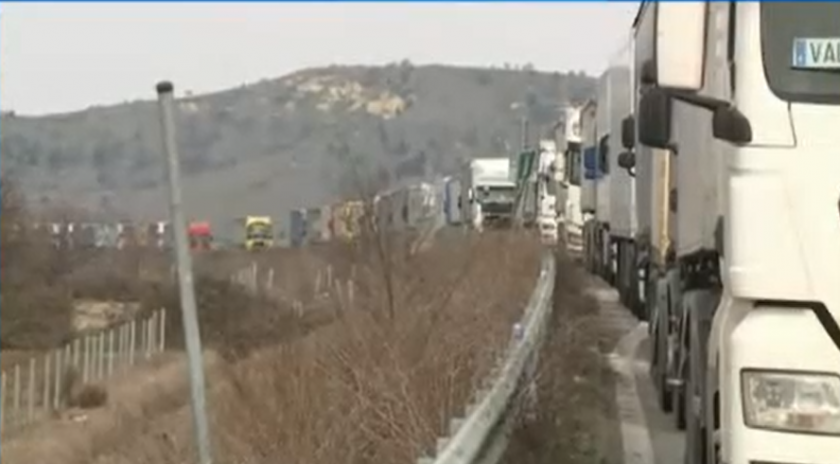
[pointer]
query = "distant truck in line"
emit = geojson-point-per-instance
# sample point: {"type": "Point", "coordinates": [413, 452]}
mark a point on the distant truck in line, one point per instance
{"type": "Point", "coordinates": [487, 193]}
{"type": "Point", "coordinates": [259, 232]}
{"type": "Point", "coordinates": [200, 236]}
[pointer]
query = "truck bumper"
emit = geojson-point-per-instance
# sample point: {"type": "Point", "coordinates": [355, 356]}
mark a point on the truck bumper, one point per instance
{"type": "Point", "coordinates": [574, 237]}
{"type": "Point", "coordinates": [781, 340]}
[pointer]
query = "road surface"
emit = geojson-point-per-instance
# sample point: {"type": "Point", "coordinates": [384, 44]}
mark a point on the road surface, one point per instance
{"type": "Point", "coordinates": [648, 435]}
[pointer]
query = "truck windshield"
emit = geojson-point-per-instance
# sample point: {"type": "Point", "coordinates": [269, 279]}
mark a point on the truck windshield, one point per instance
{"type": "Point", "coordinates": [800, 45]}
{"type": "Point", "coordinates": [497, 195]}
{"type": "Point", "coordinates": [259, 230]}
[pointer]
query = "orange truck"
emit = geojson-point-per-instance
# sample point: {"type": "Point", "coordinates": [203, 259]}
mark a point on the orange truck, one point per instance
{"type": "Point", "coordinates": [200, 235]}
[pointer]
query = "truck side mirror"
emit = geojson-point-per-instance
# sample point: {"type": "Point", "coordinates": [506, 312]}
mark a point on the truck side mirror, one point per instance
{"type": "Point", "coordinates": [655, 118]}
{"type": "Point", "coordinates": [628, 133]}
{"type": "Point", "coordinates": [627, 160]}
{"type": "Point", "coordinates": [680, 45]}
{"type": "Point", "coordinates": [731, 125]}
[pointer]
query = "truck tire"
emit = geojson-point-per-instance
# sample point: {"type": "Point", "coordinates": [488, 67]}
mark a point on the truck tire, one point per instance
{"type": "Point", "coordinates": [659, 362]}
{"type": "Point", "coordinates": [680, 398]}
{"type": "Point", "coordinates": [661, 377]}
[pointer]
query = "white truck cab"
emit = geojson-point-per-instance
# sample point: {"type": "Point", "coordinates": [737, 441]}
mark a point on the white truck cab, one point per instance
{"type": "Point", "coordinates": [746, 96]}
{"type": "Point", "coordinates": [547, 192]}
{"type": "Point", "coordinates": [590, 174]}
{"type": "Point", "coordinates": [569, 178]}
{"type": "Point", "coordinates": [605, 257]}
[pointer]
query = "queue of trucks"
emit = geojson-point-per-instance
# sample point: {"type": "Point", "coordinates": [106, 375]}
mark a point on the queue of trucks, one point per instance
{"type": "Point", "coordinates": [711, 200]}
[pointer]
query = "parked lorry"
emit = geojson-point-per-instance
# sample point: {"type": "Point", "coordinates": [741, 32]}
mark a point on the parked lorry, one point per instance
{"type": "Point", "coordinates": [600, 248]}
{"type": "Point", "coordinates": [200, 235]}
{"type": "Point", "coordinates": [452, 200]}
{"type": "Point", "coordinates": [523, 171]}
{"type": "Point", "coordinates": [547, 192]}
{"type": "Point", "coordinates": [346, 219]}
{"type": "Point", "coordinates": [297, 227]}
{"type": "Point", "coordinates": [568, 179]}
{"type": "Point", "coordinates": [591, 172]}
{"type": "Point", "coordinates": [745, 322]}
{"type": "Point", "coordinates": [259, 232]}
{"type": "Point", "coordinates": [488, 191]}
{"type": "Point", "coordinates": [622, 194]}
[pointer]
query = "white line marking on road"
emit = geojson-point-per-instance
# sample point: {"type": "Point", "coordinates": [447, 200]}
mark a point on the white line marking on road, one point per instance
{"type": "Point", "coordinates": [635, 436]}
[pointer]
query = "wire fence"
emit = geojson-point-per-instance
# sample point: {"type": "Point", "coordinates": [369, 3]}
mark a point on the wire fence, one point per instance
{"type": "Point", "coordinates": [325, 284]}
{"type": "Point", "coordinates": [34, 389]}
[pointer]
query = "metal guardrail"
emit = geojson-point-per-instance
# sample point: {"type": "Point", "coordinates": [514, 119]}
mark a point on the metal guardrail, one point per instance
{"type": "Point", "coordinates": [481, 437]}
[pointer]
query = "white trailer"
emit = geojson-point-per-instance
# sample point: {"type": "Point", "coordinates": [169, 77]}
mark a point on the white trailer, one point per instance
{"type": "Point", "coordinates": [622, 210]}
{"type": "Point", "coordinates": [747, 97]}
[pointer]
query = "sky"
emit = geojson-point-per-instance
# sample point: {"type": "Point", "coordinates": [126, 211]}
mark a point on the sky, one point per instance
{"type": "Point", "coordinates": [63, 57]}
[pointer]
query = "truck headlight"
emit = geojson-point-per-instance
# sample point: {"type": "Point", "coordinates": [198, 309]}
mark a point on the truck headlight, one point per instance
{"type": "Point", "coordinates": [791, 401]}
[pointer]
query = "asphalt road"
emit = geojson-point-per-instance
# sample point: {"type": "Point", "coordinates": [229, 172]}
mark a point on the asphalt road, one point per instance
{"type": "Point", "coordinates": [648, 435]}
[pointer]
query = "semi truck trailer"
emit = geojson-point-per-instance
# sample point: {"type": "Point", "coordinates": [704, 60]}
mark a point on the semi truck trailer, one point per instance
{"type": "Point", "coordinates": [622, 194]}
{"type": "Point", "coordinates": [746, 96]}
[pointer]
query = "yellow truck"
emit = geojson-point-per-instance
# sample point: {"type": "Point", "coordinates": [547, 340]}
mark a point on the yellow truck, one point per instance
{"type": "Point", "coordinates": [345, 221]}
{"type": "Point", "coordinates": [259, 232]}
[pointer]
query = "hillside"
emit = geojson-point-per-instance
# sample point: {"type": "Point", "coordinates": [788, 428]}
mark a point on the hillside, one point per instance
{"type": "Point", "coordinates": [281, 143]}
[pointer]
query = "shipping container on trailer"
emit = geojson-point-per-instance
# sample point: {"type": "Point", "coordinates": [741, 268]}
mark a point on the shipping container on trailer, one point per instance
{"type": "Point", "coordinates": [297, 227]}
{"type": "Point", "coordinates": [452, 201]}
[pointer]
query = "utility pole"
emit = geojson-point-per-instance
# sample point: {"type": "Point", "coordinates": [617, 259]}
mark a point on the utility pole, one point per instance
{"type": "Point", "coordinates": [185, 276]}
{"type": "Point", "coordinates": [524, 133]}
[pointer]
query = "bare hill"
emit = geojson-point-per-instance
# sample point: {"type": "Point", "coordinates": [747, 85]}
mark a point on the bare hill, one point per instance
{"type": "Point", "coordinates": [281, 143]}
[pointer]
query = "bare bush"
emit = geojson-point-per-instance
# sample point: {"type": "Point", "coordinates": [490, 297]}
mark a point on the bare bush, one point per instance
{"type": "Point", "coordinates": [368, 387]}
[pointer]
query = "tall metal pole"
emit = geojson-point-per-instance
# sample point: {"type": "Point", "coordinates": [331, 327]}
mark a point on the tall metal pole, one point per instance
{"type": "Point", "coordinates": [524, 133]}
{"type": "Point", "coordinates": [185, 277]}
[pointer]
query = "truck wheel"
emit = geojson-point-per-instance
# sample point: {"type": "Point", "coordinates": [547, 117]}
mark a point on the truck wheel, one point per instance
{"type": "Point", "coordinates": [664, 394]}
{"type": "Point", "coordinates": [661, 342]}
{"type": "Point", "coordinates": [681, 404]}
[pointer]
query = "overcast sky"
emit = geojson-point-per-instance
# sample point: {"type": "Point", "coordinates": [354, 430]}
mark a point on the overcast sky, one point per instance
{"type": "Point", "coordinates": [64, 57]}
